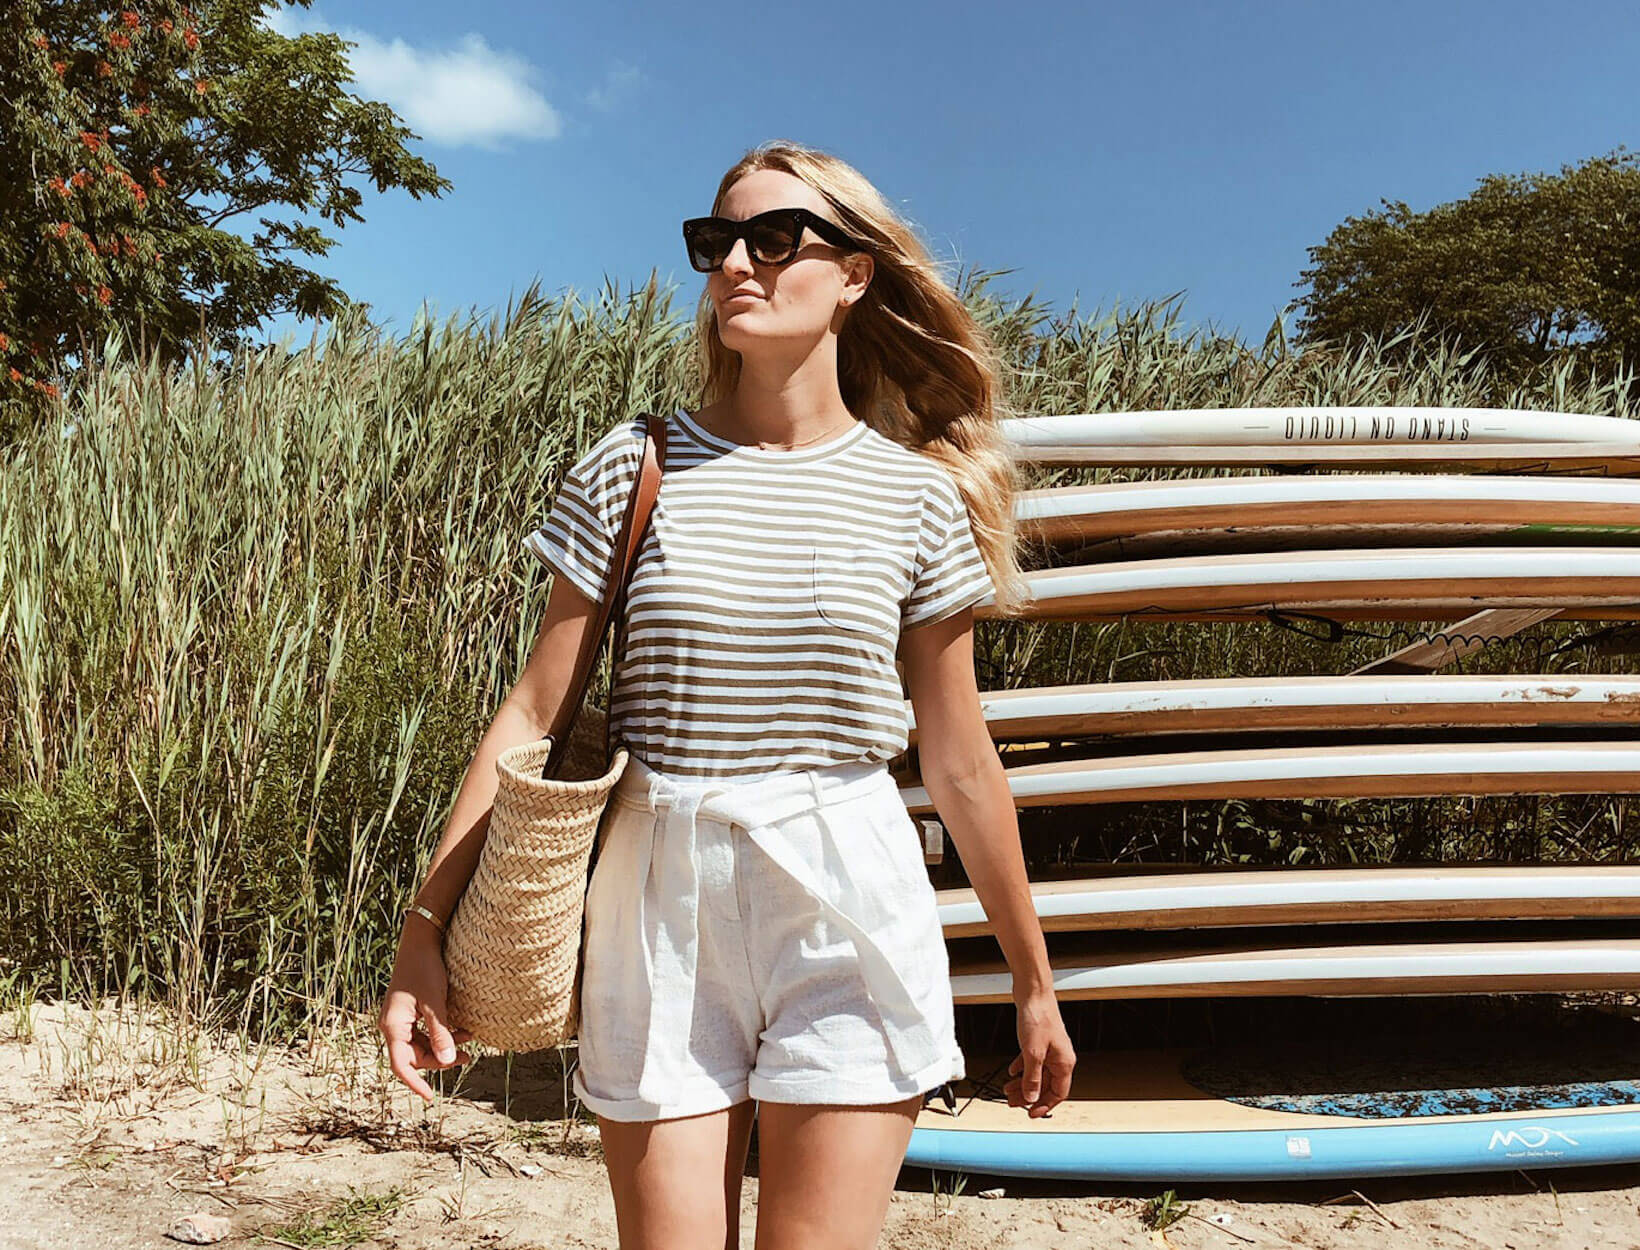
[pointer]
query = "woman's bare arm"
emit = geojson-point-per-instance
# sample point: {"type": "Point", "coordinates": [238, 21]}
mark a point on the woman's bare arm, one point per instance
{"type": "Point", "coordinates": [965, 780]}
{"type": "Point", "coordinates": [522, 717]}
{"type": "Point", "coordinates": [419, 986]}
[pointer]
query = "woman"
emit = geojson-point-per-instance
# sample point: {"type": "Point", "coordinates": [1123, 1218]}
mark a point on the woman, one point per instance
{"type": "Point", "coordinates": [762, 936]}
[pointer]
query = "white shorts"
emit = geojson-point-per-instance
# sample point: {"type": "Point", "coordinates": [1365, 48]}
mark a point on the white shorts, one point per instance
{"type": "Point", "coordinates": [775, 939]}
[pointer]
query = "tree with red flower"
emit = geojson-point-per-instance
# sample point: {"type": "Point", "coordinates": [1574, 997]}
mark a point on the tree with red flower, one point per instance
{"type": "Point", "coordinates": [193, 107]}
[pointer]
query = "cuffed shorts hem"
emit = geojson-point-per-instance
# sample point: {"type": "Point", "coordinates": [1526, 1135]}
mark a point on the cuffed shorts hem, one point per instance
{"type": "Point", "coordinates": [833, 1087]}
{"type": "Point", "coordinates": [710, 1094]}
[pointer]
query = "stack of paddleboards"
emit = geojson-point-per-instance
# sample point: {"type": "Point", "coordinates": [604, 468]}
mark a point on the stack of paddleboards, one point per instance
{"type": "Point", "coordinates": [1552, 528]}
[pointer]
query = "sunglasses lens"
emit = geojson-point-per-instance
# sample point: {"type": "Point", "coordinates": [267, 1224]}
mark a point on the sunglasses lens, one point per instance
{"type": "Point", "coordinates": [708, 246]}
{"type": "Point", "coordinates": [775, 239]}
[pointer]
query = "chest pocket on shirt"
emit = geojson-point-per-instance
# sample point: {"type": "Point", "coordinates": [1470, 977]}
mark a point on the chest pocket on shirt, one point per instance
{"type": "Point", "coordinates": [846, 590]}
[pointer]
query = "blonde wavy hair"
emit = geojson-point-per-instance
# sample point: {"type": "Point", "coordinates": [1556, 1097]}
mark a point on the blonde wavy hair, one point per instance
{"type": "Point", "coordinates": [911, 360]}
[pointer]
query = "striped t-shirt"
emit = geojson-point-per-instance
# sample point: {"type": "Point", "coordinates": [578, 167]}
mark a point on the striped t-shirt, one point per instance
{"type": "Point", "coordinates": [768, 597]}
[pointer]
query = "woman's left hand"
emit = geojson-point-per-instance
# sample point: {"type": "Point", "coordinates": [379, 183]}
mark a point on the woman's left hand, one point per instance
{"type": "Point", "coordinates": [1041, 1072]}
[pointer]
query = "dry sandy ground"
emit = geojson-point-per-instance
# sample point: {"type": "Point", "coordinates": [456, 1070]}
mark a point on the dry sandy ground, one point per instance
{"type": "Point", "coordinates": [114, 1124]}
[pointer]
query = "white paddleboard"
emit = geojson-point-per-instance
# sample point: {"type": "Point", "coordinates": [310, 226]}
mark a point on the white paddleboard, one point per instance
{"type": "Point", "coordinates": [1330, 510]}
{"type": "Point", "coordinates": [1398, 770]}
{"type": "Point", "coordinates": [1243, 897]}
{"type": "Point", "coordinates": [1414, 583]}
{"type": "Point", "coordinates": [1252, 704]}
{"type": "Point", "coordinates": [1089, 968]}
{"type": "Point", "coordinates": [1327, 435]}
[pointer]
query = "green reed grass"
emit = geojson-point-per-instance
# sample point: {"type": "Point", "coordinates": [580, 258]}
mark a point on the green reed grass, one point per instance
{"type": "Point", "coordinates": [255, 614]}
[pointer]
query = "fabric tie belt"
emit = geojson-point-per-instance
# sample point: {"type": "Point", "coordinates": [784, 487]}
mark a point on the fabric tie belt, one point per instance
{"type": "Point", "coordinates": [758, 807]}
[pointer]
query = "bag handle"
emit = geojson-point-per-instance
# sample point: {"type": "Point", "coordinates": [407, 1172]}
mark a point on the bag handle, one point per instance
{"type": "Point", "coordinates": [616, 577]}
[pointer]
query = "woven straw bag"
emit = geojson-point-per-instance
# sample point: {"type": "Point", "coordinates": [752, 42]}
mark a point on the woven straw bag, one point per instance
{"type": "Point", "coordinates": [513, 945]}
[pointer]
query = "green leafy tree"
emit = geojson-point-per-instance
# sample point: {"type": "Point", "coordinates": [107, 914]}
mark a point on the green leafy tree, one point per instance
{"type": "Point", "coordinates": [129, 134]}
{"type": "Point", "coordinates": [1526, 266]}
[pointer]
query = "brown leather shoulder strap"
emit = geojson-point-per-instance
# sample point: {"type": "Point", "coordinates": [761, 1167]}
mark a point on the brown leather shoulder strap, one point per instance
{"type": "Point", "coordinates": [613, 605]}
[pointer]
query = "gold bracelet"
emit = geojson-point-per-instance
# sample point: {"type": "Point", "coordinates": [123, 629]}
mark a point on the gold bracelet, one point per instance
{"type": "Point", "coordinates": [425, 914]}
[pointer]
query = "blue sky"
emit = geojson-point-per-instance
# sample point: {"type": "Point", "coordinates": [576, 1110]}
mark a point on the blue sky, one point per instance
{"type": "Point", "coordinates": [1102, 152]}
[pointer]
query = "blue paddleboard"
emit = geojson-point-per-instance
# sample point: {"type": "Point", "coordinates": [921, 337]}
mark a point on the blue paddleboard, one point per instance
{"type": "Point", "coordinates": [1440, 1103]}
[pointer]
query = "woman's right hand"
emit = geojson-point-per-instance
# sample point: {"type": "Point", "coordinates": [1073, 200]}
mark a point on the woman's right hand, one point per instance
{"type": "Point", "coordinates": [415, 993]}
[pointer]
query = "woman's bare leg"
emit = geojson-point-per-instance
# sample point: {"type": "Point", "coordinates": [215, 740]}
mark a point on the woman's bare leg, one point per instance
{"type": "Point", "coordinates": [826, 1173]}
{"type": "Point", "coordinates": [676, 1183]}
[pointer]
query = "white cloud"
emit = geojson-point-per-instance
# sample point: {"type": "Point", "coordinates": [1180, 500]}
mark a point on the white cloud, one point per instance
{"type": "Point", "coordinates": [466, 94]}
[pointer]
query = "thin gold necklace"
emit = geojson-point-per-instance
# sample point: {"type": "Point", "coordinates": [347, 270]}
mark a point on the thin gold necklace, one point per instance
{"type": "Point", "coordinates": [806, 441]}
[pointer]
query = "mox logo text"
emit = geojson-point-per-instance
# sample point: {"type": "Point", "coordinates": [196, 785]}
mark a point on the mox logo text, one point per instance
{"type": "Point", "coordinates": [1528, 1137]}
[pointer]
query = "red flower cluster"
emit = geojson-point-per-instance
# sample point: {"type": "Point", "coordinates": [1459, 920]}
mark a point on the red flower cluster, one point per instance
{"type": "Point", "coordinates": [159, 178]}
{"type": "Point", "coordinates": [104, 295]}
{"type": "Point", "coordinates": [79, 178]}
{"type": "Point", "coordinates": [104, 69]}
{"type": "Point", "coordinates": [59, 186]}
{"type": "Point", "coordinates": [165, 24]}
{"type": "Point", "coordinates": [61, 67]}
{"type": "Point", "coordinates": [62, 230]}
{"type": "Point", "coordinates": [143, 110]}
{"type": "Point", "coordinates": [191, 39]}
{"type": "Point", "coordinates": [5, 343]}
{"type": "Point", "coordinates": [131, 19]}
{"type": "Point", "coordinates": [40, 41]}
{"type": "Point", "coordinates": [202, 85]}
{"type": "Point", "coordinates": [90, 140]}
{"type": "Point", "coordinates": [16, 374]}
{"type": "Point", "coordinates": [120, 41]}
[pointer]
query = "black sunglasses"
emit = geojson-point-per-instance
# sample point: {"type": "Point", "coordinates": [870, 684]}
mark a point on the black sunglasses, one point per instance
{"type": "Point", "coordinates": [771, 237]}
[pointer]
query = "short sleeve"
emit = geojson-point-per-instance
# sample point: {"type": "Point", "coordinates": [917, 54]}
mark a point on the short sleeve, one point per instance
{"type": "Point", "coordinates": [583, 524]}
{"type": "Point", "coordinates": [951, 573]}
